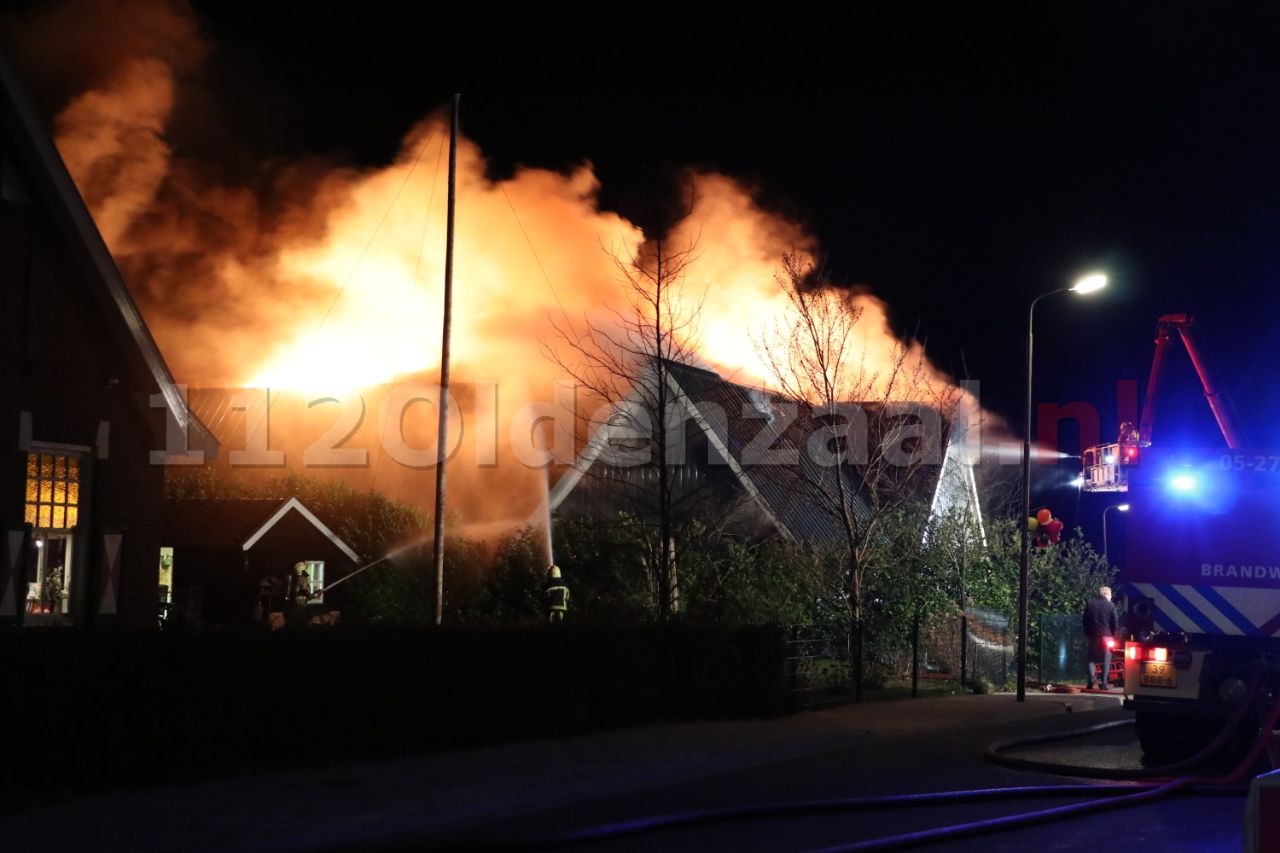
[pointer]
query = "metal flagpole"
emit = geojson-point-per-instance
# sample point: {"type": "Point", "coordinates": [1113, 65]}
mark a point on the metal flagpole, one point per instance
{"type": "Point", "coordinates": [442, 452]}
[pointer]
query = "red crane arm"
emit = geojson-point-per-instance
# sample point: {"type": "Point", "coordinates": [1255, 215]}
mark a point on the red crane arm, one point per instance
{"type": "Point", "coordinates": [1164, 331]}
{"type": "Point", "coordinates": [1183, 325]}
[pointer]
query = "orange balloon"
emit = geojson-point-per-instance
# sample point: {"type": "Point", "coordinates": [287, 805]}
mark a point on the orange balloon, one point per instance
{"type": "Point", "coordinates": [1043, 516]}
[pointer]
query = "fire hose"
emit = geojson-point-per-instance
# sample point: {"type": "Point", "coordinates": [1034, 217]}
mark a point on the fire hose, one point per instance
{"type": "Point", "coordinates": [1102, 798]}
{"type": "Point", "coordinates": [996, 751]}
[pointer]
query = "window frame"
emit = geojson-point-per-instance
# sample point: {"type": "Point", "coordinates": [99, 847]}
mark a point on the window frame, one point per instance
{"type": "Point", "coordinates": [315, 576]}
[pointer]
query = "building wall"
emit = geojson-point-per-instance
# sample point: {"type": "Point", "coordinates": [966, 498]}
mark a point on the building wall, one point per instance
{"type": "Point", "coordinates": [69, 362]}
{"type": "Point", "coordinates": [217, 586]}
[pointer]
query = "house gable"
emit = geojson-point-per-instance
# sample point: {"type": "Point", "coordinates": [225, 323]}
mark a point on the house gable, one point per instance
{"type": "Point", "coordinates": [35, 178]}
{"type": "Point", "coordinates": [224, 552]}
{"type": "Point", "coordinates": [762, 441]}
{"type": "Point", "coordinates": [88, 409]}
{"type": "Point", "coordinates": [294, 505]}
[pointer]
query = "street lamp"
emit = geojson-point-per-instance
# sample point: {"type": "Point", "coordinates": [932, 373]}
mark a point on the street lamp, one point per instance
{"type": "Point", "coordinates": [1087, 284]}
{"type": "Point", "coordinates": [1122, 508]}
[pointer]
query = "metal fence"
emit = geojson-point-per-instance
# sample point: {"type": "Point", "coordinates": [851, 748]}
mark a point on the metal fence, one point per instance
{"type": "Point", "coordinates": [976, 648]}
{"type": "Point", "coordinates": [991, 654]}
{"type": "Point", "coordinates": [1057, 653]}
{"type": "Point", "coordinates": [1061, 651]}
{"type": "Point", "coordinates": [817, 661]}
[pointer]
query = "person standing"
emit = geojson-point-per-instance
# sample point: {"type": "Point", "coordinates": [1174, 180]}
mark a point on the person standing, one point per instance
{"type": "Point", "coordinates": [555, 595]}
{"type": "Point", "coordinates": [301, 585]}
{"type": "Point", "coordinates": [1101, 626]}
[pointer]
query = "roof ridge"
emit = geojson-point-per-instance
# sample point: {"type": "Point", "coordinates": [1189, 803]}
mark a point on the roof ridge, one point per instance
{"type": "Point", "coordinates": [31, 140]}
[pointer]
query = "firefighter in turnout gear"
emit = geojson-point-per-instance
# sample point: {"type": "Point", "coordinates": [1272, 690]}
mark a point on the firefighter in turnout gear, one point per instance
{"type": "Point", "coordinates": [555, 595]}
{"type": "Point", "coordinates": [301, 585]}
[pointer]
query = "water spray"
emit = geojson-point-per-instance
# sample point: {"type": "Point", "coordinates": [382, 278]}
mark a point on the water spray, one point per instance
{"type": "Point", "coordinates": [384, 558]}
{"type": "Point", "coordinates": [544, 506]}
{"type": "Point", "coordinates": [1011, 451]}
{"type": "Point", "coordinates": [546, 512]}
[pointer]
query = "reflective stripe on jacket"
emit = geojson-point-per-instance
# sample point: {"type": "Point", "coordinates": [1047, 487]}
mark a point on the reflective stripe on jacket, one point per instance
{"type": "Point", "coordinates": [557, 597]}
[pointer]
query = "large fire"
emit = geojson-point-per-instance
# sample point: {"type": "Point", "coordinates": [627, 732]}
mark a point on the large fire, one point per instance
{"type": "Point", "coordinates": [330, 279]}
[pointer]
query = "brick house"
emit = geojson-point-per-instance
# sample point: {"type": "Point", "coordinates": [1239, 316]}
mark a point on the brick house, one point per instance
{"type": "Point", "coordinates": [89, 412]}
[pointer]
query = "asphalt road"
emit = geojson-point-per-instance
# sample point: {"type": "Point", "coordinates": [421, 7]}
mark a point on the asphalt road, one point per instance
{"type": "Point", "coordinates": [799, 783]}
{"type": "Point", "coordinates": [788, 805]}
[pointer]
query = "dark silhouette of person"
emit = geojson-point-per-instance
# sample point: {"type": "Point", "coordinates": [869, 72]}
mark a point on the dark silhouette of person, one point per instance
{"type": "Point", "coordinates": [1101, 626]}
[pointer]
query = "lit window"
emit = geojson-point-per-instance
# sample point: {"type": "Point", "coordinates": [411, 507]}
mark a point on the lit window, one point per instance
{"type": "Point", "coordinates": [315, 574]}
{"type": "Point", "coordinates": [53, 491]}
{"type": "Point", "coordinates": [49, 594]}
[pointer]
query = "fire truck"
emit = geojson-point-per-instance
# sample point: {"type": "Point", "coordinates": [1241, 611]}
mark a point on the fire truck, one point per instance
{"type": "Point", "coordinates": [1200, 578]}
{"type": "Point", "coordinates": [1106, 466]}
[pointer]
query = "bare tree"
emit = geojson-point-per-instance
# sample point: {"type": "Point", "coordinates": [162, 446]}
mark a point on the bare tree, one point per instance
{"type": "Point", "coordinates": [882, 423]}
{"type": "Point", "coordinates": [628, 403]}
{"type": "Point", "coordinates": [956, 542]}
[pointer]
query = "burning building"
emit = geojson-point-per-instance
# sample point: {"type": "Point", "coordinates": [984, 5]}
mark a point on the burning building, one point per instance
{"type": "Point", "coordinates": [313, 288]}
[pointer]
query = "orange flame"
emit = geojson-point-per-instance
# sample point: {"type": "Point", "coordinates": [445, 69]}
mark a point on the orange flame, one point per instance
{"type": "Point", "coordinates": [332, 278]}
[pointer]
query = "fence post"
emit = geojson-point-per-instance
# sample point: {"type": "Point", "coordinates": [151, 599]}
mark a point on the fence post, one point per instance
{"type": "Point", "coordinates": [793, 664]}
{"type": "Point", "coordinates": [915, 653]}
{"type": "Point", "coordinates": [1040, 648]}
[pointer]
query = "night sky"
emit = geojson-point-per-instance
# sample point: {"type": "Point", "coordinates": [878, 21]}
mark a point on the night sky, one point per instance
{"type": "Point", "coordinates": [958, 163]}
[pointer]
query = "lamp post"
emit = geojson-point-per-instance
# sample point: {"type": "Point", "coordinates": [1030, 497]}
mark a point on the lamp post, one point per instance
{"type": "Point", "coordinates": [1122, 508]}
{"type": "Point", "coordinates": [1087, 284]}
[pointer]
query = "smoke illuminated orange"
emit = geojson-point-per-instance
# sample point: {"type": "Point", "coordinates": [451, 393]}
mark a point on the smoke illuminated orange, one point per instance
{"type": "Point", "coordinates": [341, 285]}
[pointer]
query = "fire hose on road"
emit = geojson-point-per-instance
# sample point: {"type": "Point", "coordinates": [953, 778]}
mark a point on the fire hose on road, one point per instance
{"type": "Point", "coordinates": [1162, 782]}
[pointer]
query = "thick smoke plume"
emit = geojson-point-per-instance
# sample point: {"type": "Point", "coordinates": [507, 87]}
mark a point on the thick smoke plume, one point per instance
{"type": "Point", "coordinates": [325, 281]}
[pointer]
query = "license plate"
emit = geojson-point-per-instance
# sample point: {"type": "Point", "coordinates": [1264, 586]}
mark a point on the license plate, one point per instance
{"type": "Point", "coordinates": [1157, 674]}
